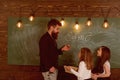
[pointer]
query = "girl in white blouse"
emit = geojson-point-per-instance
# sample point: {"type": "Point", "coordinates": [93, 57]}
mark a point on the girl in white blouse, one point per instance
{"type": "Point", "coordinates": [85, 65]}
{"type": "Point", "coordinates": [102, 69]}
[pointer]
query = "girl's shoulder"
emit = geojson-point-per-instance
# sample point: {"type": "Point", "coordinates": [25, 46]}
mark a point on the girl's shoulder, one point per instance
{"type": "Point", "coordinates": [82, 62]}
{"type": "Point", "coordinates": [107, 63]}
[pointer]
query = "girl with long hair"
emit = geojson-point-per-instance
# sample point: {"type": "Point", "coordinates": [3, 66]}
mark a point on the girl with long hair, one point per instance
{"type": "Point", "coordinates": [85, 65]}
{"type": "Point", "coordinates": [102, 68]}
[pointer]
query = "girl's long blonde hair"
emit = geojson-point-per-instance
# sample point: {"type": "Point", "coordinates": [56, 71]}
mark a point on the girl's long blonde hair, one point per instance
{"type": "Point", "coordinates": [86, 56]}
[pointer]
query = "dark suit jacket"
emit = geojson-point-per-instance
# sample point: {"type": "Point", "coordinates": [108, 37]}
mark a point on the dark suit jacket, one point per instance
{"type": "Point", "coordinates": [48, 52]}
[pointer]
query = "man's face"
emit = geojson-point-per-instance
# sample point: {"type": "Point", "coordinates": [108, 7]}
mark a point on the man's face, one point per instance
{"type": "Point", "coordinates": [55, 31]}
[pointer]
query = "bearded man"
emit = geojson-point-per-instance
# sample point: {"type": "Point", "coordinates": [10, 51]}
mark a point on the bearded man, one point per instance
{"type": "Point", "coordinates": [49, 52]}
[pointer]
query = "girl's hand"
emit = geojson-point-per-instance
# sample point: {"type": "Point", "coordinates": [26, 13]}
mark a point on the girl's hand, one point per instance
{"type": "Point", "coordinates": [94, 76]}
{"type": "Point", "coordinates": [67, 68]}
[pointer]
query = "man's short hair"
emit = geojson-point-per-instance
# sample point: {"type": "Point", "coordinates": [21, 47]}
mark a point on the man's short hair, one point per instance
{"type": "Point", "coordinates": [53, 22]}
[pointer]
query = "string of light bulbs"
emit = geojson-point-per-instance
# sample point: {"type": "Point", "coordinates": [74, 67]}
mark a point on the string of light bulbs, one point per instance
{"type": "Point", "coordinates": [88, 22]}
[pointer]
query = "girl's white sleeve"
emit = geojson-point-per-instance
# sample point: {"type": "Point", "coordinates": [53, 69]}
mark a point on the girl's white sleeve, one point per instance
{"type": "Point", "coordinates": [80, 70]}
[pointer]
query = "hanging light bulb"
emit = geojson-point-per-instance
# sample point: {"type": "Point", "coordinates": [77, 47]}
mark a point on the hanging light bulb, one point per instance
{"type": "Point", "coordinates": [19, 23]}
{"type": "Point", "coordinates": [31, 18]}
{"type": "Point", "coordinates": [89, 22]}
{"type": "Point", "coordinates": [62, 22]}
{"type": "Point", "coordinates": [105, 24]}
{"type": "Point", "coordinates": [76, 25]}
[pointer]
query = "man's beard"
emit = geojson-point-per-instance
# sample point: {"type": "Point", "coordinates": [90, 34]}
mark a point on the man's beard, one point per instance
{"type": "Point", "coordinates": [55, 35]}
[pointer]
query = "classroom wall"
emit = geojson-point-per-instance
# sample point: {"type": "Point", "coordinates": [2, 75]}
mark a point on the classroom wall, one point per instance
{"type": "Point", "coordinates": [23, 43]}
{"type": "Point", "coordinates": [10, 8]}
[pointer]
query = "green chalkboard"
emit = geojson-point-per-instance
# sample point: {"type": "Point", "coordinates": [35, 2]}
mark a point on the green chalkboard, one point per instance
{"type": "Point", "coordinates": [23, 48]}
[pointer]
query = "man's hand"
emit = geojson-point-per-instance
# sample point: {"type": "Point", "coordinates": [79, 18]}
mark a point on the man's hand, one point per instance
{"type": "Point", "coordinates": [66, 47]}
{"type": "Point", "coordinates": [52, 69]}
